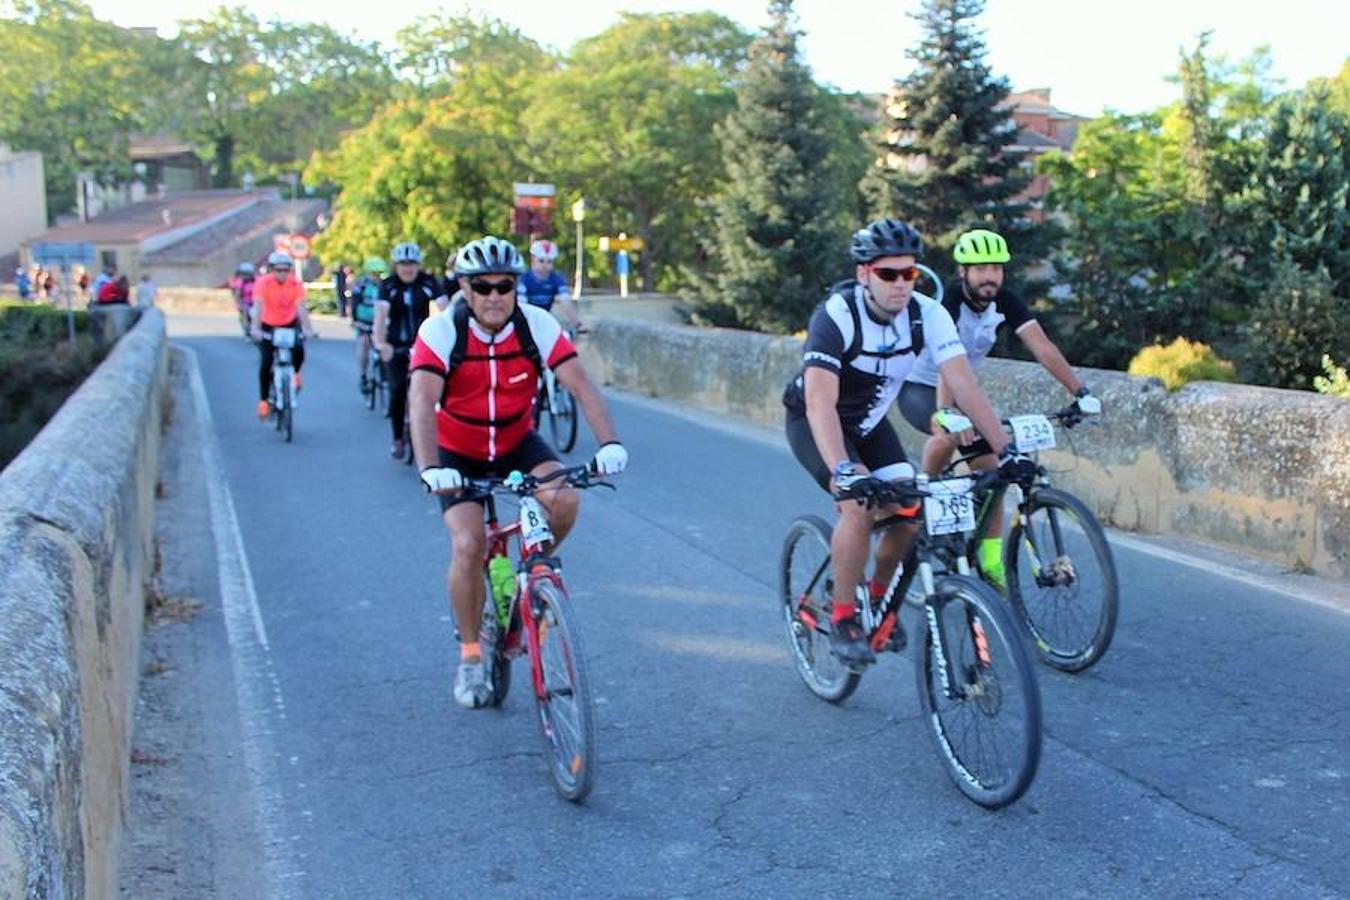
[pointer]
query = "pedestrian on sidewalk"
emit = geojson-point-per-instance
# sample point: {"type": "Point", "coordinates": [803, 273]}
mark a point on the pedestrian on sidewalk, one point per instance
{"type": "Point", "coordinates": [146, 291]}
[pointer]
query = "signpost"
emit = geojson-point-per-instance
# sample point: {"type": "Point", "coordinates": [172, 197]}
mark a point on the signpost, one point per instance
{"type": "Point", "coordinates": [533, 213]}
{"type": "Point", "coordinates": [65, 255]}
{"type": "Point", "coordinates": [579, 216]}
{"type": "Point", "coordinates": [620, 247]}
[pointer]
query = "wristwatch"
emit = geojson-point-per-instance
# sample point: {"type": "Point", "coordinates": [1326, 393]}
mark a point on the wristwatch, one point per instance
{"type": "Point", "coordinates": [845, 468]}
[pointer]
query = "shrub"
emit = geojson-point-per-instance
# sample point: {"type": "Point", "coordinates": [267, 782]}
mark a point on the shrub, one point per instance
{"type": "Point", "coordinates": [1295, 322]}
{"type": "Point", "coordinates": [1180, 362]}
{"type": "Point", "coordinates": [1337, 380]}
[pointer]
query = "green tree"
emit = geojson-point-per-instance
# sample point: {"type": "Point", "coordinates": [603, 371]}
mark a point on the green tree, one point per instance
{"type": "Point", "coordinates": [776, 241]}
{"type": "Point", "coordinates": [73, 88]}
{"type": "Point", "coordinates": [944, 159]}
{"type": "Point", "coordinates": [437, 170]}
{"type": "Point", "coordinates": [627, 121]}
{"type": "Point", "coordinates": [266, 96]}
{"type": "Point", "coordinates": [1299, 189]}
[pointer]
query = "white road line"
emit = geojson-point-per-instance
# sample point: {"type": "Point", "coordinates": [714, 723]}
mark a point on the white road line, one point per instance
{"type": "Point", "coordinates": [249, 651]}
{"type": "Point", "coordinates": [1304, 588]}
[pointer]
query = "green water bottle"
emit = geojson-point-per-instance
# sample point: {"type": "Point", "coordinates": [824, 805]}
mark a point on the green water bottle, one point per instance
{"type": "Point", "coordinates": [502, 575]}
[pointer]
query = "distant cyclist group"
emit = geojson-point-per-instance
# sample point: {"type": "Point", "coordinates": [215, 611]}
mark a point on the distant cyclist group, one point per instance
{"type": "Point", "coordinates": [464, 359]}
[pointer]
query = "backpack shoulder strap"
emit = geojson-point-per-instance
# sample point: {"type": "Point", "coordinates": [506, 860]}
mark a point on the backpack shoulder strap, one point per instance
{"type": "Point", "coordinates": [526, 338]}
{"type": "Point", "coordinates": [915, 326]}
{"type": "Point", "coordinates": [460, 312]}
{"type": "Point", "coordinates": [849, 291]}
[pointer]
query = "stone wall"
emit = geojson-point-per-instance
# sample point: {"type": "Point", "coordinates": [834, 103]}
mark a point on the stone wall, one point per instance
{"type": "Point", "coordinates": [76, 553]}
{"type": "Point", "coordinates": [1257, 469]}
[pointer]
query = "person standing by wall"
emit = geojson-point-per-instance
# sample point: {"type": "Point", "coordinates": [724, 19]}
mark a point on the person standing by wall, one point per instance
{"type": "Point", "coordinates": [146, 291]}
{"type": "Point", "coordinates": [340, 289]}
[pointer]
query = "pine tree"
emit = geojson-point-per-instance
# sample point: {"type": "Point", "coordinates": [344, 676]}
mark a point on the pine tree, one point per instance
{"type": "Point", "coordinates": [777, 240]}
{"type": "Point", "coordinates": [944, 162]}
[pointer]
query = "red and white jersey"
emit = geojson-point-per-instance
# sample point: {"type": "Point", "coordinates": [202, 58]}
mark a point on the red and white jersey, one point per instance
{"type": "Point", "coordinates": [487, 406]}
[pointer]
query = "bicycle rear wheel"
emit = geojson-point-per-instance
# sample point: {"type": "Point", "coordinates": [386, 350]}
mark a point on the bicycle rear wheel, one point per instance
{"type": "Point", "coordinates": [1062, 580]}
{"type": "Point", "coordinates": [368, 386]}
{"type": "Point", "coordinates": [492, 638]}
{"type": "Point", "coordinates": [562, 422]}
{"type": "Point", "coordinates": [979, 693]}
{"type": "Point", "coordinates": [805, 595]}
{"type": "Point", "coordinates": [566, 707]}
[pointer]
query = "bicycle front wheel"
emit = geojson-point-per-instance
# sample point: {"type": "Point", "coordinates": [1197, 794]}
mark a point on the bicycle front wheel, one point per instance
{"type": "Point", "coordinates": [563, 693]}
{"type": "Point", "coordinates": [287, 410]}
{"type": "Point", "coordinates": [1062, 580]}
{"type": "Point", "coordinates": [805, 597]}
{"type": "Point", "coordinates": [492, 638]}
{"type": "Point", "coordinates": [562, 421]}
{"type": "Point", "coordinates": [979, 693]}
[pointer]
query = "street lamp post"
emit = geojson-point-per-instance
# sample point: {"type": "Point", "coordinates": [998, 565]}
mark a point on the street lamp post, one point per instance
{"type": "Point", "coordinates": [579, 214]}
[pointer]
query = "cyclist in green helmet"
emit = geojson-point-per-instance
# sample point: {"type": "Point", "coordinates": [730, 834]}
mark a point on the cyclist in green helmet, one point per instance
{"type": "Point", "coordinates": [365, 293]}
{"type": "Point", "coordinates": [981, 306]}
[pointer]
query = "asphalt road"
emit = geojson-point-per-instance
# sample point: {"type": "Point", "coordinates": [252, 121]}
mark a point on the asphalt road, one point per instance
{"type": "Point", "coordinates": [1207, 755]}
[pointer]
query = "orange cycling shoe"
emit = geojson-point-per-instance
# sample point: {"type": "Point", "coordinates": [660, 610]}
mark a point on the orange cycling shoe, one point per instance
{"type": "Point", "coordinates": [263, 409]}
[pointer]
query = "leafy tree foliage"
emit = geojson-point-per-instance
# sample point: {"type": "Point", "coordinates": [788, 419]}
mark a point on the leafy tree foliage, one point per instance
{"type": "Point", "coordinates": [778, 237]}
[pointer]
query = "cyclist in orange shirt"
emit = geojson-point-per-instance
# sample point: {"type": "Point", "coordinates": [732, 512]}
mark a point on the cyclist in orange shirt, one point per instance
{"type": "Point", "coordinates": [278, 302]}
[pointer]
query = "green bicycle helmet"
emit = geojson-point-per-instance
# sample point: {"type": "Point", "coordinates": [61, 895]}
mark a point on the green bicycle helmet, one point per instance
{"type": "Point", "coordinates": [375, 265]}
{"type": "Point", "coordinates": [981, 246]}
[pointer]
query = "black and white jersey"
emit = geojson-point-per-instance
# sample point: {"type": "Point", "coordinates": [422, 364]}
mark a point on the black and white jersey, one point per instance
{"type": "Point", "coordinates": [873, 362]}
{"type": "Point", "coordinates": [978, 330]}
{"type": "Point", "coordinates": [409, 305]}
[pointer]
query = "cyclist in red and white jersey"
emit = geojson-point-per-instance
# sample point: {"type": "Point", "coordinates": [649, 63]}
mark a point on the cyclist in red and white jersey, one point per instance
{"type": "Point", "coordinates": [480, 362]}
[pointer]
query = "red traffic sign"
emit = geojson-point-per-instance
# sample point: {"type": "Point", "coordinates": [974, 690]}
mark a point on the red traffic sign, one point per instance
{"type": "Point", "coordinates": [298, 246]}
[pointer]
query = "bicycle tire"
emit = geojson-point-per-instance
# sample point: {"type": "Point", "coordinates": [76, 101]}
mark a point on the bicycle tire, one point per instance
{"type": "Point", "coordinates": [563, 423]}
{"type": "Point", "coordinates": [288, 411]}
{"type": "Point", "coordinates": [822, 674]}
{"type": "Point", "coordinates": [959, 602]}
{"type": "Point", "coordinates": [1040, 610]}
{"type": "Point", "coordinates": [493, 640]}
{"type": "Point", "coordinates": [368, 391]}
{"type": "Point", "coordinates": [571, 762]}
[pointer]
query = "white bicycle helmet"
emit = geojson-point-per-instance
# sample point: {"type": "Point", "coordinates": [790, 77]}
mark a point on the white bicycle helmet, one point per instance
{"type": "Point", "coordinates": [277, 258]}
{"type": "Point", "coordinates": [489, 256]}
{"type": "Point", "coordinates": [545, 250]}
{"type": "Point", "coordinates": [407, 252]}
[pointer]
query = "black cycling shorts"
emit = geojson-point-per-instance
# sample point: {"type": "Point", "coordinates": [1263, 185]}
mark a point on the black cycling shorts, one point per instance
{"type": "Point", "coordinates": [880, 451]}
{"type": "Point", "coordinates": [531, 452]}
{"type": "Point", "coordinates": [918, 402]}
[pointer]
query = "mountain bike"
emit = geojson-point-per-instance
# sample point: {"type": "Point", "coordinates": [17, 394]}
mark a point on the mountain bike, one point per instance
{"type": "Point", "coordinates": [557, 403]}
{"type": "Point", "coordinates": [538, 621]}
{"type": "Point", "coordinates": [1062, 581]}
{"type": "Point", "coordinates": [977, 686]}
{"type": "Point", "coordinates": [374, 381]}
{"type": "Point", "coordinates": [280, 396]}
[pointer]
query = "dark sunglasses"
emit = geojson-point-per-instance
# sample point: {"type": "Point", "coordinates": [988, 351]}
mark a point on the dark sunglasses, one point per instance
{"type": "Point", "coordinates": [909, 273]}
{"type": "Point", "coordinates": [484, 288]}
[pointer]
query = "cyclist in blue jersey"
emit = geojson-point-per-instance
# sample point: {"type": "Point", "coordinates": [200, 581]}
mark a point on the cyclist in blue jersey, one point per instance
{"type": "Point", "coordinates": [541, 285]}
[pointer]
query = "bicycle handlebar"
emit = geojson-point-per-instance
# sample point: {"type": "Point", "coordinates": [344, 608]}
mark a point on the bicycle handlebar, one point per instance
{"type": "Point", "coordinates": [582, 476]}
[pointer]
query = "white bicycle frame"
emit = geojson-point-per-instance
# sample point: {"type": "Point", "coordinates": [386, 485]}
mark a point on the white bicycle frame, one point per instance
{"type": "Point", "coordinates": [283, 340]}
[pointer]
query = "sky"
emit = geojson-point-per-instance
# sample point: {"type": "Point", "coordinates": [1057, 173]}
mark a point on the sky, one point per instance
{"type": "Point", "coordinates": [1093, 54]}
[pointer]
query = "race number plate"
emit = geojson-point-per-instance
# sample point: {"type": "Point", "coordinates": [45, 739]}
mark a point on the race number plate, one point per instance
{"type": "Point", "coordinates": [534, 528]}
{"type": "Point", "coordinates": [283, 338]}
{"type": "Point", "coordinates": [950, 508]}
{"type": "Point", "coordinates": [1032, 433]}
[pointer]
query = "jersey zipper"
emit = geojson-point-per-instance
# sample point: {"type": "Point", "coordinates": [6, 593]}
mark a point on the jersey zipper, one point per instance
{"type": "Point", "coordinates": [492, 398]}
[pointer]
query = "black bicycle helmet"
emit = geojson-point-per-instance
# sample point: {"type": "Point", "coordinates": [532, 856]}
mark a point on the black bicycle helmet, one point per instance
{"type": "Point", "coordinates": [489, 256]}
{"type": "Point", "coordinates": [885, 237]}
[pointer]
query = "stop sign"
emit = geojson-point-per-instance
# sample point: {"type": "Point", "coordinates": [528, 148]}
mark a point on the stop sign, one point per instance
{"type": "Point", "coordinates": [299, 246]}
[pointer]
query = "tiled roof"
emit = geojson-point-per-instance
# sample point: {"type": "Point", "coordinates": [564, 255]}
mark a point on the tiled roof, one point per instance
{"type": "Point", "coordinates": [261, 218]}
{"type": "Point", "coordinates": [138, 221]}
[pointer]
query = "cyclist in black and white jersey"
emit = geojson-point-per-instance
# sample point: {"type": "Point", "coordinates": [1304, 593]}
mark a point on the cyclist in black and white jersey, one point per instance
{"type": "Point", "coordinates": [982, 307]}
{"type": "Point", "coordinates": [407, 299]}
{"type": "Point", "coordinates": [862, 342]}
